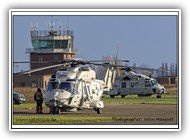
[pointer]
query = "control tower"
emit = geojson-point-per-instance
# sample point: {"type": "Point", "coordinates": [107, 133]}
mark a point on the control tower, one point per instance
{"type": "Point", "coordinates": [50, 46]}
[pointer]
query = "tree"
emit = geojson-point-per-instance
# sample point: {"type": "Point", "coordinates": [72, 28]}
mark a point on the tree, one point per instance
{"type": "Point", "coordinates": [176, 70]}
{"type": "Point", "coordinates": [163, 68]}
{"type": "Point", "coordinates": [171, 70]}
{"type": "Point", "coordinates": [134, 64]}
{"type": "Point", "coordinates": [166, 68]}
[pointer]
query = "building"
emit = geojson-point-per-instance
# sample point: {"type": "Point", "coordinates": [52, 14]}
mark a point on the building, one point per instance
{"type": "Point", "coordinates": [50, 47]}
{"type": "Point", "coordinates": [167, 80]}
{"type": "Point", "coordinates": [33, 81]}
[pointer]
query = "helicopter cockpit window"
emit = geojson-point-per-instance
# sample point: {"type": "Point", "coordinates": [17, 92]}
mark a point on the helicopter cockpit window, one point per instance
{"type": "Point", "coordinates": [52, 85]}
{"type": "Point", "coordinates": [84, 69]}
{"type": "Point", "coordinates": [65, 86]}
{"type": "Point", "coordinates": [147, 83]}
{"type": "Point", "coordinates": [154, 82]}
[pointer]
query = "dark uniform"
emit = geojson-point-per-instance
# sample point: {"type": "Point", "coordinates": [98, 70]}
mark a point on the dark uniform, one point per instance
{"type": "Point", "coordinates": [38, 97]}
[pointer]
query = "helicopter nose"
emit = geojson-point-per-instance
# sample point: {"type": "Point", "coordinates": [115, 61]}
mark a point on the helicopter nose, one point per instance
{"type": "Point", "coordinates": [56, 98]}
{"type": "Point", "coordinates": [50, 94]}
{"type": "Point", "coordinates": [57, 94]}
{"type": "Point", "coordinates": [63, 94]}
{"type": "Point", "coordinates": [158, 90]}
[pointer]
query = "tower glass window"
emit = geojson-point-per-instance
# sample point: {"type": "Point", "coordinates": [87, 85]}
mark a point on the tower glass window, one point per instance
{"type": "Point", "coordinates": [57, 44]}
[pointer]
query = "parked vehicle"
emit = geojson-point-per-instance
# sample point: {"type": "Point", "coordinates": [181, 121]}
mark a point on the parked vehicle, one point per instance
{"type": "Point", "coordinates": [18, 98]}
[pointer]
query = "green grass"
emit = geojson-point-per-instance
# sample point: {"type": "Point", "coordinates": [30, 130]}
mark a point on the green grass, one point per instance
{"type": "Point", "coordinates": [169, 99]}
{"type": "Point", "coordinates": [27, 105]}
{"type": "Point", "coordinates": [40, 120]}
{"type": "Point", "coordinates": [134, 99]}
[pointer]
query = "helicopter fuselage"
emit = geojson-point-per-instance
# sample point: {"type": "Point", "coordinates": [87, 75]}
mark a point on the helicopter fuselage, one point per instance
{"type": "Point", "coordinates": [74, 90]}
{"type": "Point", "coordinates": [137, 84]}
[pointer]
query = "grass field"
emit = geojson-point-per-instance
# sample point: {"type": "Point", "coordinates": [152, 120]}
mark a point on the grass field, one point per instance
{"type": "Point", "coordinates": [48, 120]}
{"type": "Point", "coordinates": [169, 98]}
{"type": "Point", "coordinates": [130, 99]}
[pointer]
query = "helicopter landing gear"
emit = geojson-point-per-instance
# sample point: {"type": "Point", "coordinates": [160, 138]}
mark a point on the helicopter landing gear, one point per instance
{"type": "Point", "coordinates": [55, 110]}
{"type": "Point", "coordinates": [112, 96]}
{"type": "Point", "coordinates": [122, 96]}
{"type": "Point", "coordinates": [98, 110]}
{"type": "Point", "coordinates": [158, 96]}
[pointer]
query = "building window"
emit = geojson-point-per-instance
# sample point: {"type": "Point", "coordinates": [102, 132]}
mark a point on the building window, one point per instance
{"type": "Point", "coordinates": [34, 84]}
{"type": "Point", "coordinates": [64, 56]}
{"type": "Point", "coordinates": [55, 58]}
{"type": "Point", "coordinates": [40, 58]}
{"type": "Point", "coordinates": [172, 81]}
{"type": "Point", "coordinates": [23, 84]}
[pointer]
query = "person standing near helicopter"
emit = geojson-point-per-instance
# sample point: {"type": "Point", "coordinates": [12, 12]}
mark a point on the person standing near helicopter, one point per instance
{"type": "Point", "coordinates": [38, 97]}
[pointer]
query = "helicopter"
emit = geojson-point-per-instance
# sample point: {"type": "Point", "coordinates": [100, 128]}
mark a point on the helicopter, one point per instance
{"type": "Point", "coordinates": [132, 83]}
{"type": "Point", "coordinates": [74, 87]}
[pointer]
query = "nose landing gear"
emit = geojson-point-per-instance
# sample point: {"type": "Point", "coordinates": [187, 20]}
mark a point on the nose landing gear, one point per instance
{"type": "Point", "coordinates": [159, 96]}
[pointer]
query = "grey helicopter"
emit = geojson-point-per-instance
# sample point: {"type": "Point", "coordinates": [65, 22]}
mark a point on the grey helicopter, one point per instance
{"type": "Point", "coordinates": [132, 83]}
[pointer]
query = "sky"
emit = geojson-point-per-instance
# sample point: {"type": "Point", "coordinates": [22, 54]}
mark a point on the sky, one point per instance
{"type": "Point", "coordinates": [144, 40]}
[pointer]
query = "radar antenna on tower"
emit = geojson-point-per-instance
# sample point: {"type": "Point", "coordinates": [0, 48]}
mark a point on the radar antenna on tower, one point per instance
{"type": "Point", "coordinates": [68, 26]}
{"type": "Point", "coordinates": [51, 24]}
{"type": "Point", "coordinates": [33, 26]}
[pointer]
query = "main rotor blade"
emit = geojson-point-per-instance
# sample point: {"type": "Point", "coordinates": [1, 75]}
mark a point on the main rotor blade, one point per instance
{"type": "Point", "coordinates": [38, 69]}
{"type": "Point", "coordinates": [33, 62]}
{"type": "Point", "coordinates": [128, 68]}
{"type": "Point", "coordinates": [108, 60]}
{"type": "Point", "coordinates": [38, 62]}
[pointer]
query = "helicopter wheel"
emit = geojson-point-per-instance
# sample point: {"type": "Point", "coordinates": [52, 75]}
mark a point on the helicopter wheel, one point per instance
{"type": "Point", "coordinates": [99, 111]}
{"type": "Point", "coordinates": [58, 111]}
{"type": "Point", "coordinates": [55, 110]}
{"type": "Point", "coordinates": [122, 96]}
{"type": "Point", "coordinates": [159, 96]}
{"type": "Point", "coordinates": [112, 96]}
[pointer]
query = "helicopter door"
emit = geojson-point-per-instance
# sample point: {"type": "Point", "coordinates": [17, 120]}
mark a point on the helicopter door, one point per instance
{"type": "Point", "coordinates": [75, 100]}
{"type": "Point", "coordinates": [124, 85]}
{"type": "Point", "coordinates": [76, 96]}
{"type": "Point", "coordinates": [147, 87]}
{"type": "Point", "coordinates": [80, 98]}
{"type": "Point", "coordinates": [134, 87]}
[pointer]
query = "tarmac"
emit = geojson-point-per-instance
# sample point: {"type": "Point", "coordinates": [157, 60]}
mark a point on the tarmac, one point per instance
{"type": "Point", "coordinates": [122, 114]}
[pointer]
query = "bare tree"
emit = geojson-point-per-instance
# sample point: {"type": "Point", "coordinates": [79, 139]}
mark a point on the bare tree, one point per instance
{"type": "Point", "coordinates": [166, 68]}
